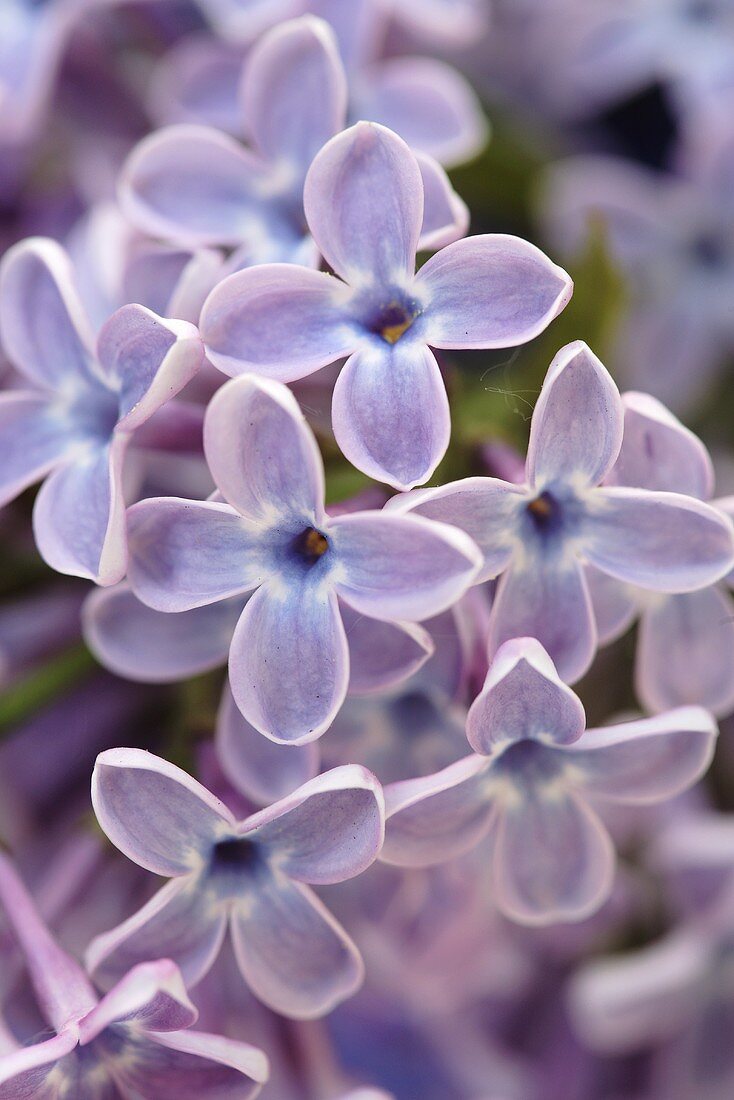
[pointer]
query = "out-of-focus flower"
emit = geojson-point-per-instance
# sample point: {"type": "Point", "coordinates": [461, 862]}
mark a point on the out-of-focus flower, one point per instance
{"type": "Point", "coordinates": [531, 783]}
{"type": "Point", "coordinates": [249, 876]}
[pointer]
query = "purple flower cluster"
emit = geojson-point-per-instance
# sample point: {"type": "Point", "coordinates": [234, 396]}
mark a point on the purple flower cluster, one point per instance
{"type": "Point", "coordinates": [241, 314]}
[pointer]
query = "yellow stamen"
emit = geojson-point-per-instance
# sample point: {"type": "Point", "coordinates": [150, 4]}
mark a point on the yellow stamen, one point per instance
{"type": "Point", "coordinates": [392, 333]}
{"type": "Point", "coordinates": [315, 544]}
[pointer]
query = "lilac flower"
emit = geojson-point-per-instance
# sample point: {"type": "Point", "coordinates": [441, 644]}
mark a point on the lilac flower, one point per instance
{"type": "Point", "coordinates": [130, 1043]}
{"type": "Point", "coordinates": [249, 876]}
{"type": "Point", "coordinates": [531, 783]}
{"type": "Point", "coordinates": [364, 205]}
{"type": "Point", "coordinates": [195, 185]}
{"type": "Point", "coordinates": [540, 535]}
{"type": "Point", "coordinates": [245, 20]}
{"type": "Point", "coordinates": [75, 421]}
{"type": "Point", "coordinates": [273, 537]}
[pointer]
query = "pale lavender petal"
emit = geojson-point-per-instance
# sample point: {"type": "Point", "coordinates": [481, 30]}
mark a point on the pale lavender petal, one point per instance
{"type": "Point", "coordinates": [33, 440]}
{"type": "Point", "coordinates": [25, 1073]}
{"type": "Point", "coordinates": [193, 185]}
{"type": "Point", "coordinates": [151, 359]}
{"type": "Point", "coordinates": [189, 553]}
{"type": "Point", "coordinates": [663, 541]}
{"type": "Point", "coordinates": [291, 951]}
{"type": "Point", "coordinates": [294, 91]}
{"type": "Point", "coordinates": [438, 817]}
{"type": "Point", "coordinates": [192, 1064]}
{"type": "Point", "coordinates": [484, 507]}
{"type": "Point", "coordinates": [578, 421]}
{"type": "Point", "coordinates": [363, 199]}
{"type": "Point", "coordinates": [645, 761]}
{"type": "Point", "coordinates": [548, 600]}
{"type": "Point", "coordinates": [445, 214]}
{"type": "Point", "coordinates": [44, 328]}
{"type": "Point", "coordinates": [552, 860]}
{"type": "Point", "coordinates": [394, 566]}
{"type": "Point", "coordinates": [490, 291]}
{"type": "Point", "coordinates": [445, 22]}
{"type": "Point", "coordinates": [429, 103]}
{"type": "Point", "coordinates": [139, 643]}
{"type": "Point", "coordinates": [289, 662]}
{"type": "Point", "coordinates": [79, 515]}
{"type": "Point", "coordinates": [152, 996]}
{"type": "Point", "coordinates": [181, 922]}
{"type": "Point", "coordinates": [685, 652]}
{"type": "Point", "coordinates": [658, 452]}
{"type": "Point", "coordinates": [154, 812]}
{"type": "Point", "coordinates": [262, 770]}
{"type": "Point", "coordinates": [615, 604]}
{"type": "Point", "coordinates": [390, 413]}
{"type": "Point", "coordinates": [245, 22]}
{"type": "Point", "coordinates": [262, 453]}
{"type": "Point", "coordinates": [330, 829]}
{"type": "Point", "coordinates": [522, 698]}
{"type": "Point", "coordinates": [279, 320]}
{"type": "Point", "coordinates": [382, 654]}
{"type": "Point", "coordinates": [197, 81]}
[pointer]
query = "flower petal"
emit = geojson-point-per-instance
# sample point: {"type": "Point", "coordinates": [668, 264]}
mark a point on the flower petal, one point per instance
{"type": "Point", "coordinates": [262, 770]}
{"type": "Point", "coordinates": [262, 453]}
{"type": "Point", "coordinates": [523, 698]}
{"type": "Point", "coordinates": [484, 507]}
{"type": "Point", "coordinates": [192, 1064]}
{"type": "Point", "coordinates": [152, 995]}
{"type": "Point", "coordinates": [490, 291]}
{"type": "Point", "coordinates": [663, 541]}
{"type": "Point", "coordinates": [685, 652]}
{"type": "Point", "coordinates": [553, 859]}
{"type": "Point", "coordinates": [138, 643]}
{"type": "Point", "coordinates": [645, 761]}
{"type": "Point", "coordinates": [25, 1072]}
{"type": "Point", "coordinates": [329, 830]}
{"type": "Point", "coordinates": [291, 951]}
{"type": "Point", "coordinates": [79, 515]}
{"type": "Point", "coordinates": [188, 553]}
{"type": "Point", "coordinates": [363, 199]}
{"type": "Point", "coordinates": [445, 214]}
{"type": "Point", "coordinates": [180, 923]}
{"type": "Point", "coordinates": [382, 654]}
{"type": "Point", "coordinates": [154, 812]}
{"type": "Point", "coordinates": [390, 413]}
{"type": "Point", "coordinates": [548, 600]}
{"type": "Point", "coordinates": [45, 331]}
{"type": "Point", "coordinates": [294, 91]}
{"type": "Point", "coordinates": [32, 441]}
{"type": "Point", "coordinates": [278, 320]}
{"type": "Point", "coordinates": [615, 605]}
{"type": "Point", "coordinates": [289, 662]}
{"type": "Point", "coordinates": [437, 817]}
{"type": "Point", "coordinates": [150, 358]}
{"type": "Point", "coordinates": [395, 566]}
{"type": "Point", "coordinates": [577, 425]}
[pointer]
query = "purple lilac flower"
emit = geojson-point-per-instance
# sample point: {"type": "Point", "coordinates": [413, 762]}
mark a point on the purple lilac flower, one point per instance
{"type": "Point", "coordinates": [540, 535]}
{"type": "Point", "coordinates": [248, 876]}
{"type": "Point", "coordinates": [364, 205]}
{"type": "Point", "coordinates": [75, 421]}
{"type": "Point", "coordinates": [129, 1043]}
{"type": "Point", "coordinates": [531, 784]}
{"type": "Point", "coordinates": [195, 185]}
{"type": "Point", "coordinates": [271, 536]}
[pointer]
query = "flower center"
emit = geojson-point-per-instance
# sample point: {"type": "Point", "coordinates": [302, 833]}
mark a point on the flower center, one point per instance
{"type": "Point", "coordinates": [545, 512]}
{"type": "Point", "coordinates": [391, 320]}
{"type": "Point", "coordinates": [310, 545]}
{"type": "Point", "coordinates": [234, 855]}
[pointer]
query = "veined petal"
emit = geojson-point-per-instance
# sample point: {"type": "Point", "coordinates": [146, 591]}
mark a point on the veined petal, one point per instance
{"type": "Point", "coordinates": [490, 291]}
{"type": "Point", "coordinates": [445, 214]}
{"type": "Point", "coordinates": [181, 922]}
{"type": "Point", "coordinates": [663, 541]}
{"type": "Point", "coordinates": [329, 830]}
{"type": "Point", "coordinates": [134, 641]}
{"type": "Point", "coordinates": [578, 421]}
{"type": "Point", "coordinates": [291, 951]}
{"type": "Point", "coordinates": [25, 1072]}
{"type": "Point", "coordinates": [615, 604]}
{"type": "Point", "coordinates": [152, 995]}
{"type": "Point", "coordinates": [382, 654]}
{"type": "Point", "coordinates": [33, 440]}
{"type": "Point", "coordinates": [363, 199]}
{"type": "Point", "coordinates": [193, 1064]}
{"type": "Point", "coordinates": [262, 453]}
{"type": "Point", "coordinates": [645, 761]}
{"type": "Point", "coordinates": [294, 92]}
{"type": "Point", "coordinates": [438, 817]}
{"type": "Point", "coordinates": [395, 566]}
{"type": "Point", "coordinates": [278, 320]}
{"type": "Point", "coordinates": [289, 662]}
{"type": "Point", "coordinates": [390, 413]}
{"type": "Point", "coordinates": [154, 812]}
{"type": "Point", "coordinates": [189, 553]}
